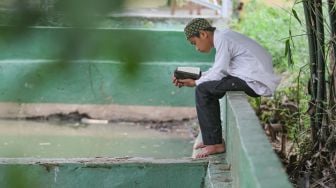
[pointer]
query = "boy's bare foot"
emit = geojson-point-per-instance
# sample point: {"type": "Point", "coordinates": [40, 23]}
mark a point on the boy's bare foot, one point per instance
{"type": "Point", "coordinates": [210, 150]}
{"type": "Point", "coordinates": [199, 145]}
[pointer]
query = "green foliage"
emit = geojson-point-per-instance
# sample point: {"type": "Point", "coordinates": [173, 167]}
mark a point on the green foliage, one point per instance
{"type": "Point", "coordinates": [269, 26]}
{"type": "Point", "coordinates": [287, 107]}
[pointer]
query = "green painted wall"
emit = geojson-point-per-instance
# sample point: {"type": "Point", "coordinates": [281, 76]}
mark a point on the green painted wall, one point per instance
{"type": "Point", "coordinates": [125, 66]}
{"type": "Point", "coordinates": [135, 45]}
{"type": "Point", "coordinates": [91, 83]}
{"type": "Point", "coordinates": [121, 175]}
{"type": "Point", "coordinates": [253, 162]}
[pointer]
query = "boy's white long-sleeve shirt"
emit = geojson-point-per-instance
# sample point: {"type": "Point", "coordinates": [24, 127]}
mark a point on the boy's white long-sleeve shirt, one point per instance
{"type": "Point", "coordinates": [242, 57]}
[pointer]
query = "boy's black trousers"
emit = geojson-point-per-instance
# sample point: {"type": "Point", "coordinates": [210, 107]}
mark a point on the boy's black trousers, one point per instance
{"type": "Point", "coordinates": [207, 105]}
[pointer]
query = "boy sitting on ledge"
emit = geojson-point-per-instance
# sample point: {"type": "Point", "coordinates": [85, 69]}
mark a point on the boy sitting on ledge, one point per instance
{"type": "Point", "coordinates": [241, 64]}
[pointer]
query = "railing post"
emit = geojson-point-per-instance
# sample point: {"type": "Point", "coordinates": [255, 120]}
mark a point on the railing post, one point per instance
{"type": "Point", "coordinates": [226, 8]}
{"type": "Point", "coordinates": [223, 8]}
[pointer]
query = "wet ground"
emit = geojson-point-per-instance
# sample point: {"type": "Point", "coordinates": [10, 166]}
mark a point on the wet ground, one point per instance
{"type": "Point", "coordinates": [116, 139]}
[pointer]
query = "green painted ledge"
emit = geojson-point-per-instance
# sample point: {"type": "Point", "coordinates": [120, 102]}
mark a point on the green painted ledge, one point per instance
{"type": "Point", "coordinates": [253, 162]}
{"type": "Point", "coordinates": [102, 172]}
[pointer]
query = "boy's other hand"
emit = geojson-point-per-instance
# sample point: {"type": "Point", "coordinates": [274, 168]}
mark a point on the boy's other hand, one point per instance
{"type": "Point", "coordinates": [176, 82]}
{"type": "Point", "coordinates": [184, 82]}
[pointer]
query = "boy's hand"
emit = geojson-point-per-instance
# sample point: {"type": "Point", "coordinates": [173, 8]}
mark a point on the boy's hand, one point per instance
{"type": "Point", "coordinates": [184, 82]}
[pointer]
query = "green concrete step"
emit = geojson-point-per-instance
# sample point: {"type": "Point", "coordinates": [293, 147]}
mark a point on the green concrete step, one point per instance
{"type": "Point", "coordinates": [93, 66]}
{"type": "Point", "coordinates": [102, 172]}
{"type": "Point", "coordinates": [218, 172]}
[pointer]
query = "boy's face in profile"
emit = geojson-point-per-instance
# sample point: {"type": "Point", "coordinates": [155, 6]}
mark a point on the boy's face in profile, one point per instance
{"type": "Point", "coordinates": [202, 43]}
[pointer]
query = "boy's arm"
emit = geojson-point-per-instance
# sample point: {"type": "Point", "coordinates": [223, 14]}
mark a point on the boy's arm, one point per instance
{"type": "Point", "coordinates": [221, 64]}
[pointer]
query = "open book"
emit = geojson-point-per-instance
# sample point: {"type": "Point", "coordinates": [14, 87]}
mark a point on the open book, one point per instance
{"type": "Point", "coordinates": [187, 72]}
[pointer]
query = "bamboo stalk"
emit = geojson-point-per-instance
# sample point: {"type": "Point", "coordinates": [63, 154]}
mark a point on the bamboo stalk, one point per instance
{"type": "Point", "coordinates": [321, 89]}
{"type": "Point", "coordinates": [310, 27]}
{"type": "Point", "coordinates": [332, 19]}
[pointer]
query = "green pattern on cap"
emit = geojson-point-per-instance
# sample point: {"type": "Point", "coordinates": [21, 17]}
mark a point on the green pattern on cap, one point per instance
{"type": "Point", "coordinates": [195, 25]}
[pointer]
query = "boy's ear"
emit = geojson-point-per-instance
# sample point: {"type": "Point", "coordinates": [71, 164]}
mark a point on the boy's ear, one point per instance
{"type": "Point", "coordinates": [203, 34]}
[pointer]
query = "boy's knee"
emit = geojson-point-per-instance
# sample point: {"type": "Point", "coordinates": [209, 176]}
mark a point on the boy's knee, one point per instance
{"type": "Point", "coordinates": [201, 88]}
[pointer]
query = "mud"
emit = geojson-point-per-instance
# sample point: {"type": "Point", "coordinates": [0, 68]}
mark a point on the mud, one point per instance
{"type": "Point", "coordinates": [74, 119]}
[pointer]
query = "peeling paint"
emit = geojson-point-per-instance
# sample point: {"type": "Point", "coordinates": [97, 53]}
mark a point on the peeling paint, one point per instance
{"type": "Point", "coordinates": [56, 170]}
